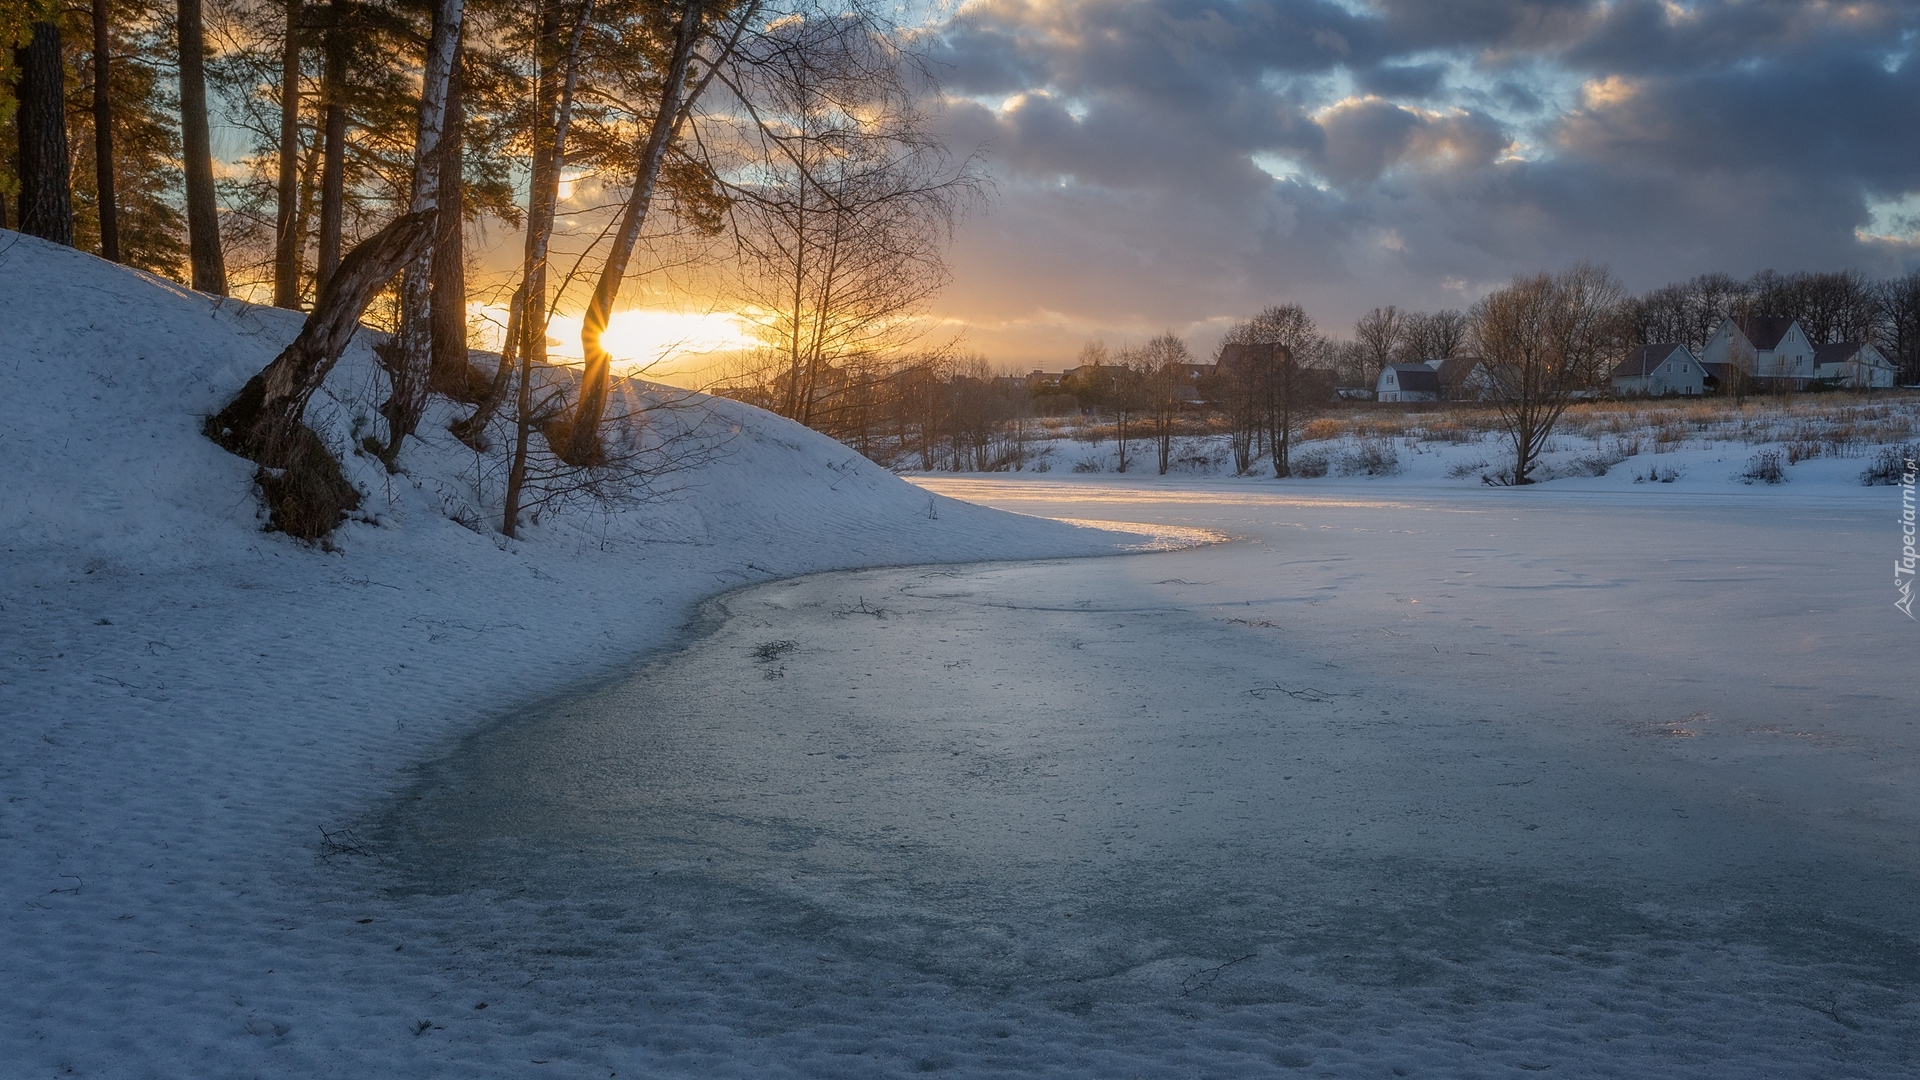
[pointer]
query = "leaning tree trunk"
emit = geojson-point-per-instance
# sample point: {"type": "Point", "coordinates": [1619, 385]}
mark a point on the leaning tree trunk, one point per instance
{"type": "Point", "coordinates": [407, 365]}
{"type": "Point", "coordinates": [286, 231]}
{"type": "Point", "coordinates": [580, 443]}
{"type": "Point", "coordinates": [103, 135]}
{"type": "Point", "coordinates": [203, 219]}
{"type": "Point", "coordinates": [304, 486]}
{"type": "Point", "coordinates": [46, 197]}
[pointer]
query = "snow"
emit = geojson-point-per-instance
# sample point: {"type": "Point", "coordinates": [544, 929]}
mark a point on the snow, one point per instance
{"type": "Point", "coordinates": [188, 701]}
{"type": "Point", "coordinates": [1412, 777]}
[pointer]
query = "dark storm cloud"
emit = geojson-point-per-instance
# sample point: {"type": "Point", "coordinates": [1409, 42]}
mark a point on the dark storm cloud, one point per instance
{"type": "Point", "coordinates": [1405, 81]}
{"type": "Point", "coordinates": [1421, 150]}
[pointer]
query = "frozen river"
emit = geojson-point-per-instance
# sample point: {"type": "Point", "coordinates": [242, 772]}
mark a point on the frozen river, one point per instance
{"type": "Point", "coordinates": [1391, 783]}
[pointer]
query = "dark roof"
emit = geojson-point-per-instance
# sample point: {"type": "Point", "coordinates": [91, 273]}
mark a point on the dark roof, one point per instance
{"type": "Point", "coordinates": [1416, 377]}
{"type": "Point", "coordinates": [1644, 358]}
{"type": "Point", "coordinates": [1763, 332]}
{"type": "Point", "coordinates": [1838, 352]}
{"type": "Point", "coordinates": [1455, 369]}
{"type": "Point", "coordinates": [1240, 354]}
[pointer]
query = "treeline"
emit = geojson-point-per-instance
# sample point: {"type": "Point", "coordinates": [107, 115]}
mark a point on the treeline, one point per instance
{"type": "Point", "coordinates": [778, 146]}
{"type": "Point", "coordinates": [1535, 345]}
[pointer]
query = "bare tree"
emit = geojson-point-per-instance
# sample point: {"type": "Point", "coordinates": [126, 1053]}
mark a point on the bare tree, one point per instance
{"type": "Point", "coordinates": [1379, 334]}
{"type": "Point", "coordinates": [1900, 300]}
{"type": "Point", "coordinates": [847, 202]}
{"type": "Point", "coordinates": [1542, 339]}
{"type": "Point", "coordinates": [1268, 392]}
{"type": "Point", "coordinates": [1165, 372]}
{"type": "Point", "coordinates": [1434, 336]}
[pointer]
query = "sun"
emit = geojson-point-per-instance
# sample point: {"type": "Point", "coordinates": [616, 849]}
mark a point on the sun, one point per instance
{"type": "Point", "coordinates": [647, 341]}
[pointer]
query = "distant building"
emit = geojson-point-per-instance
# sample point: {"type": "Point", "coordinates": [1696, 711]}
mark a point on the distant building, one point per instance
{"type": "Point", "coordinates": [1407, 382]}
{"type": "Point", "coordinates": [1310, 383]}
{"type": "Point", "coordinates": [1462, 378]}
{"type": "Point", "coordinates": [1668, 368]}
{"type": "Point", "coordinates": [1770, 351]}
{"type": "Point", "coordinates": [1852, 364]}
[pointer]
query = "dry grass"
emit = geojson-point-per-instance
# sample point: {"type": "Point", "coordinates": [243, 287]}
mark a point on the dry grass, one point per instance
{"type": "Point", "coordinates": [1805, 425]}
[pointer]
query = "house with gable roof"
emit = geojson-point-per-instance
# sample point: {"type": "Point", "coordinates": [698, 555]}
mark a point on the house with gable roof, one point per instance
{"type": "Point", "coordinates": [1772, 351]}
{"type": "Point", "coordinates": [1668, 368]}
{"type": "Point", "coordinates": [1407, 382]}
{"type": "Point", "coordinates": [1856, 365]}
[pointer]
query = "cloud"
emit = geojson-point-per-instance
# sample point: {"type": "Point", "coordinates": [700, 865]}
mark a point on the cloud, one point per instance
{"type": "Point", "coordinates": [1182, 162]}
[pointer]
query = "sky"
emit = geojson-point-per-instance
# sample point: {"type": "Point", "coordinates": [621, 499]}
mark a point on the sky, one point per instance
{"type": "Point", "coordinates": [1177, 164]}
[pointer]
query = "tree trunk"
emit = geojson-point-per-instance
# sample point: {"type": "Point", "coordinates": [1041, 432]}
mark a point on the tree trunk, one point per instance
{"type": "Point", "coordinates": [580, 443]}
{"type": "Point", "coordinates": [523, 434]}
{"type": "Point", "coordinates": [411, 360]}
{"type": "Point", "coordinates": [527, 311]}
{"type": "Point", "coordinates": [305, 488]}
{"type": "Point", "coordinates": [46, 196]}
{"type": "Point", "coordinates": [203, 217]}
{"type": "Point", "coordinates": [286, 231]}
{"type": "Point", "coordinates": [333, 83]}
{"type": "Point", "coordinates": [103, 135]}
{"type": "Point", "coordinates": [450, 372]}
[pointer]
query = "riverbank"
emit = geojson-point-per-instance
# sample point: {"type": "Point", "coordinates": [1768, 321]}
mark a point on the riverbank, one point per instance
{"type": "Point", "coordinates": [194, 713]}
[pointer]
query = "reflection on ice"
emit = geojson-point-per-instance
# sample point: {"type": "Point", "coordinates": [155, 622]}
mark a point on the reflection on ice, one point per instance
{"type": "Point", "coordinates": [1230, 809]}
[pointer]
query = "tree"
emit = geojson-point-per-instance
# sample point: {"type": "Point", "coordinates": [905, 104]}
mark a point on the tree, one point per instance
{"type": "Point", "coordinates": [1435, 336]}
{"type": "Point", "coordinates": [1542, 339]}
{"type": "Point", "coordinates": [142, 147]}
{"type": "Point", "coordinates": [845, 210]}
{"type": "Point", "coordinates": [1900, 300]}
{"type": "Point", "coordinates": [203, 216]}
{"type": "Point", "coordinates": [411, 356]}
{"type": "Point", "coordinates": [693, 24]}
{"type": "Point", "coordinates": [101, 62]}
{"type": "Point", "coordinates": [1267, 390]}
{"type": "Point", "coordinates": [286, 207]}
{"type": "Point", "coordinates": [1163, 368]}
{"type": "Point", "coordinates": [40, 125]}
{"type": "Point", "coordinates": [1379, 334]}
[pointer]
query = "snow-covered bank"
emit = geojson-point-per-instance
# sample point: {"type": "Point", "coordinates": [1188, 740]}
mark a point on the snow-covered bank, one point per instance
{"type": "Point", "coordinates": [187, 702]}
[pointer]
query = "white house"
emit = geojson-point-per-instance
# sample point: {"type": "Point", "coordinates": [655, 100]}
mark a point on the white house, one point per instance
{"type": "Point", "coordinates": [1660, 370]}
{"type": "Point", "coordinates": [1852, 364]}
{"type": "Point", "coordinates": [1766, 349]}
{"type": "Point", "coordinates": [1407, 382]}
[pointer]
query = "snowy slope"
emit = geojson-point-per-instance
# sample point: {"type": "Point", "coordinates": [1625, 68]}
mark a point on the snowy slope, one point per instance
{"type": "Point", "coordinates": [187, 701]}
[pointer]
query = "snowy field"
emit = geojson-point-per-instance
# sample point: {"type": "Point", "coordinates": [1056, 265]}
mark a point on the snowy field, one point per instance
{"type": "Point", "coordinates": [1590, 779]}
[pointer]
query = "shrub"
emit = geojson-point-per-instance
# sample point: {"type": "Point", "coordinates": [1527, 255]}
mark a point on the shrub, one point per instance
{"type": "Point", "coordinates": [1891, 465]}
{"type": "Point", "coordinates": [1370, 457]}
{"type": "Point", "coordinates": [1764, 468]}
{"type": "Point", "coordinates": [1311, 464]}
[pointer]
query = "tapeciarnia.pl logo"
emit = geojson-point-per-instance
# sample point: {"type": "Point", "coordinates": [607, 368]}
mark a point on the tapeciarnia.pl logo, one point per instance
{"type": "Point", "coordinates": [1903, 568]}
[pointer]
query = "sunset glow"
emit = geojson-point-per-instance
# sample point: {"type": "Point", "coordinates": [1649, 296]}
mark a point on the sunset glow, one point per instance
{"type": "Point", "coordinates": [660, 342]}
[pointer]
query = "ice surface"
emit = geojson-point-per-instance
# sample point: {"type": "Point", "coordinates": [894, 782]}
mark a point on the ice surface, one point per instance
{"type": "Point", "coordinates": [1459, 786]}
